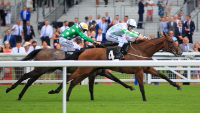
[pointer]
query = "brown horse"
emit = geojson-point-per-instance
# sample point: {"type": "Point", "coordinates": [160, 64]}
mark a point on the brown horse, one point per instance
{"type": "Point", "coordinates": [140, 51]}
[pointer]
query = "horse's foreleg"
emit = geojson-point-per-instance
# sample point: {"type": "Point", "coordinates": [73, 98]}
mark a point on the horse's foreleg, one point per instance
{"type": "Point", "coordinates": [73, 84]}
{"type": "Point", "coordinates": [80, 72]}
{"type": "Point", "coordinates": [152, 71]}
{"type": "Point", "coordinates": [24, 77]}
{"type": "Point", "coordinates": [30, 81]}
{"type": "Point", "coordinates": [112, 77]}
{"type": "Point", "coordinates": [91, 86]}
{"type": "Point", "coordinates": [140, 75]}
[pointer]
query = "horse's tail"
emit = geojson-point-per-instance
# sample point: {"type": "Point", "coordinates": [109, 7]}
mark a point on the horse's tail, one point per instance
{"type": "Point", "coordinates": [31, 55]}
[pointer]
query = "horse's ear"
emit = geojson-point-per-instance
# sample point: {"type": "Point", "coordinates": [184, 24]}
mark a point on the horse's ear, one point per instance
{"type": "Point", "coordinates": [165, 34]}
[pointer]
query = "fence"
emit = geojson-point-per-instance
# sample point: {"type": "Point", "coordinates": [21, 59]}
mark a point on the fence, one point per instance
{"type": "Point", "coordinates": [65, 64]}
{"type": "Point", "coordinates": [56, 76]}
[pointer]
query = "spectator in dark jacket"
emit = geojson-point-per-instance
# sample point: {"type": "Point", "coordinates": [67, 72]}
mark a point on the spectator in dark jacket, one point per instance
{"type": "Point", "coordinates": [180, 32]}
{"type": "Point", "coordinates": [140, 12]}
{"type": "Point", "coordinates": [11, 38]}
{"type": "Point", "coordinates": [190, 27]}
{"type": "Point", "coordinates": [25, 15]}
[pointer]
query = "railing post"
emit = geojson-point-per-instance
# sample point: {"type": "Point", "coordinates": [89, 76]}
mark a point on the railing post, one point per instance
{"type": "Point", "coordinates": [50, 5]}
{"type": "Point", "coordinates": [65, 7]}
{"type": "Point", "coordinates": [37, 10]}
{"type": "Point", "coordinates": [78, 13]}
{"type": "Point", "coordinates": [114, 11]}
{"type": "Point", "coordinates": [124, 11]}
{"type": "Point", "coordinates": [96, 11]}
{"type": "Point", "coordinates": [149, 78]}
{"type": "Point", "coordinates": [64, 88]}
{"type": "Point", "coordinates": [197, 21]}
{"type": "Point", "coordinates": [188, 73]}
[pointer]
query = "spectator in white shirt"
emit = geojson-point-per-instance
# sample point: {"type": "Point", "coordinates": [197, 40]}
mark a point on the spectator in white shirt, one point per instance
{"type": "Point", "coordinates": [19, 71]}
{"type": "Point", "coordinates": [45, 46]}
{"type": "Point", "coordinates": [46, 33]}
{"type": "Point", "coordinates": [182, 17]}
{"type": "Point", "coordinates": [108, 19]}
{"type": "Point", "coordinates": [117, 19]}
{"type": "Point", "coordinates": [34, 46]}
{"type": "Point", "coordinates": [27, 47]}
{"type": "Point", "coordinates": [90, 20]}
{"type": "Point", "coordinates": [86, 20]}
{"type": "Point", "coordinates": [18, 48]}
{"type": "Point", "coordinates": [76, 21]}
{"type": "Point", "coordinates": [149, 3]}
{"type": "Point", "coordinates": [125, 19]}
{"type": "Point", "coordinates": [98, 19]}
{"type": "Point", "coordinates": [18, 31]}
{"type": "Point", "coordinates": [64, 27]}
{"type": "Point", "coordinates": [176, 19]}
{"type": "Point", "coordinates": [99, 37]}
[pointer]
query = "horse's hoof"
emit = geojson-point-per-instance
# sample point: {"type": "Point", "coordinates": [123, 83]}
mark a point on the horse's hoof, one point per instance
{"type": "Point", "coordinates": [180, 88]}
{"type": "Point", "coordinates": [51, 92]}
{"type": "Point", "coordinates": [7, 90]}
{"type": "Point", "coordinates": [67, 100]}
{"type": "Point", "coordinates": [18, 99]}
{"type": "Point", "coordinates": [132, 88]}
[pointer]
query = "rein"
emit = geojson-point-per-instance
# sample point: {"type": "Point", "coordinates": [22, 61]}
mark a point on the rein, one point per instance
{"type": "Point", "coordinates": [140, 56]}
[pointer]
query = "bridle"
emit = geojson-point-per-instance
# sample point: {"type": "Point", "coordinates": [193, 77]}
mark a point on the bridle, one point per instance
{"type": "Point", "coordinates": [140, 55]}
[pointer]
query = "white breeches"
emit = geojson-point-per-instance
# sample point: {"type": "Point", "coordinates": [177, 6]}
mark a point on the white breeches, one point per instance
{"type": "Point", "coordinates": [69, 43]}
{"type": "Point", "coordinates": [114, 38]}
{"type": "Point", "coordinates": [8, 17]}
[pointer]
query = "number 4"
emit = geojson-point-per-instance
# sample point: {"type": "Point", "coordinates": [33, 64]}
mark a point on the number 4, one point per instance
{"type": "Point", "coordinates": [111, 55]}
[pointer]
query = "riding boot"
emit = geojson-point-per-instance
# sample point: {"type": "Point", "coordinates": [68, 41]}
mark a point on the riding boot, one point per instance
{"type": "Point", "coordinates": [119, 55]}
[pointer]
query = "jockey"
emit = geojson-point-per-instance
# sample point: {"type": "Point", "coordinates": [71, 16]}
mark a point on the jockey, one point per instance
{"type": "Point", "coordinates": [73, 32]}
{"type": "Point", "coordinates": [119, 32]}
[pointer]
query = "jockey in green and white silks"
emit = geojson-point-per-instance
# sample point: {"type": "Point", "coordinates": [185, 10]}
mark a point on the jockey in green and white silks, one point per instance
{"type": "Point", "coordinates": [73, 32]}
{"type": "Point", "coordinates": [119, 32]}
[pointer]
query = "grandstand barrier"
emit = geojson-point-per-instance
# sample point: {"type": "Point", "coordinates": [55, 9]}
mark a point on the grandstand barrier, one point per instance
{"type": "Point", "coordinates": [102, 63]}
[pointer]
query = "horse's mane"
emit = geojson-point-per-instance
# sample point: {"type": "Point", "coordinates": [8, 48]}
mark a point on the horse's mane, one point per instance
{"type": "Point", "coordinates": [141, 41]}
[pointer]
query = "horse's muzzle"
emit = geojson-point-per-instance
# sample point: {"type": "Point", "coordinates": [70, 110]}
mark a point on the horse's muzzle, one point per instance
{"type": "Point", "coordinates": [179, 53]}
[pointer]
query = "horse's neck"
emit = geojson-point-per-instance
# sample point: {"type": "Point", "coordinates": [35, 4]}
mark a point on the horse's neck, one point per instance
{"type": "Point", "coordinates": [149, 49]}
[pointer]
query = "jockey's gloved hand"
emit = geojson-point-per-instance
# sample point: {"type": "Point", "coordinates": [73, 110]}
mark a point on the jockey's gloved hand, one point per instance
{"type": "Point", "coordinates": [95, 42]}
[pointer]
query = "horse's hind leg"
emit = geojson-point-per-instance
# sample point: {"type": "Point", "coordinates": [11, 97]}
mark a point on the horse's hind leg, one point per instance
{"type": "Point", "coordinates": [112, 77]}
{"type": "Point", "coordinates": [91, 85]}
{"type": "Point", "coordinates": [30, 81]}
{"type": "Point", "coordinates": [58, 89]}
{"type": "Point", "coordinates": [24, 77]}
{"type": "Point", "coordinates": [152, 71]}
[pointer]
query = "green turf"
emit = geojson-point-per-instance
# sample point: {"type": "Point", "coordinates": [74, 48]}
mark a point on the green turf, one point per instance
{"type": "Point", "coordinates": [108, 99]}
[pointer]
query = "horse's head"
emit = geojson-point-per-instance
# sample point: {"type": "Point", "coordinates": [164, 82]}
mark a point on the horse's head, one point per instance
{"type": "Point", "coordinates": [171, 46]}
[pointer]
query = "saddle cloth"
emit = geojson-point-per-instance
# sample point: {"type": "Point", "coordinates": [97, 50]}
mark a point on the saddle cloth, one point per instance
{"type": "Point", "coordinates": [111, 51]}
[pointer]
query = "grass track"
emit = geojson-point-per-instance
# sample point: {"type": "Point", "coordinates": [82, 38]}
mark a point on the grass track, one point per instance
{"type": "Point", "coordinates": [108, 99]}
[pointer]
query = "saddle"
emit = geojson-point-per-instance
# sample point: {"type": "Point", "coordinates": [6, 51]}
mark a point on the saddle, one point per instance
{"type": "Point", "coordinates": [68, 53]}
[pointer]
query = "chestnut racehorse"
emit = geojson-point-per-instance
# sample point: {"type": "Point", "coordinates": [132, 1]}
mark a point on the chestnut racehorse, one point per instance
{"type": "Point", "coordinates": [141, 51]}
